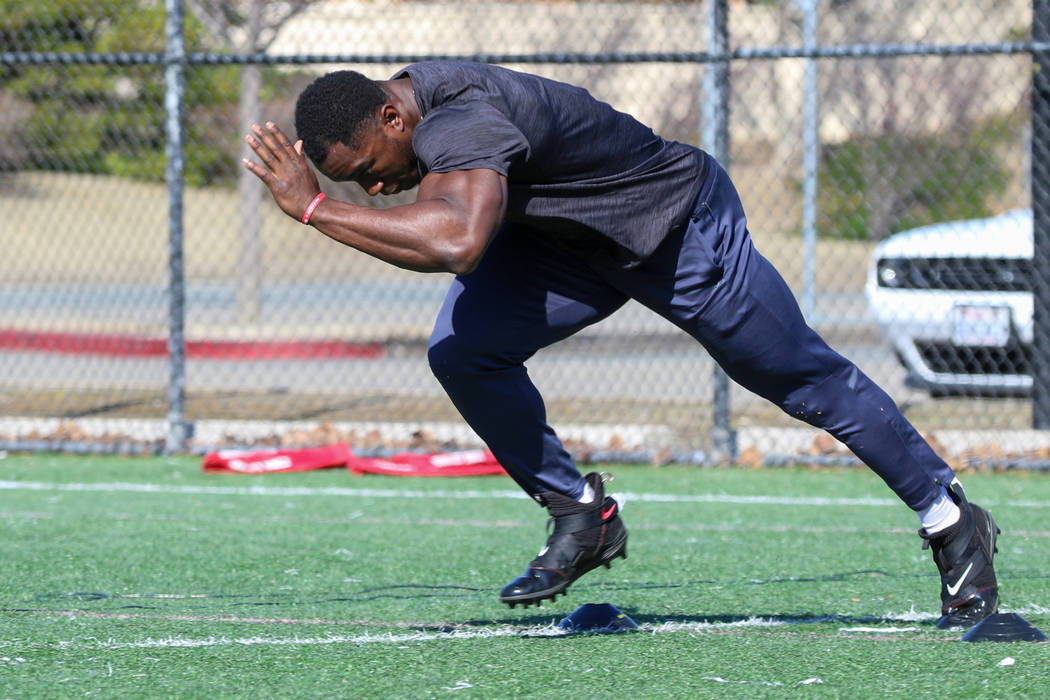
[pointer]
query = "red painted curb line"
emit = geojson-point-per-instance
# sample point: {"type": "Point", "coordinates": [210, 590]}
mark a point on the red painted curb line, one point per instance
{"type": "Point", "coordinates": [118, 345]}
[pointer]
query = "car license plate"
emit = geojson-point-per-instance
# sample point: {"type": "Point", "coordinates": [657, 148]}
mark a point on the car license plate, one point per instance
{"type": "Point", "coordinates": [975, 324]}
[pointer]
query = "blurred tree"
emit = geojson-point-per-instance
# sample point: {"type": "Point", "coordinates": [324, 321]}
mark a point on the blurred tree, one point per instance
{"type": "Point", "coordinates": [922, 150]}
{"type": "Point", "coordinates": [873, 186]}
{"type": "Point", "coordinates": [106, 119]}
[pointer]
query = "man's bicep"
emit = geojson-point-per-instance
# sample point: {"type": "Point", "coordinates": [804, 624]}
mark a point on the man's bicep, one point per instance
{"type": "Point", "coordinates": [474, 203]}
{"type": "Point", "coordinates": [479, 195]}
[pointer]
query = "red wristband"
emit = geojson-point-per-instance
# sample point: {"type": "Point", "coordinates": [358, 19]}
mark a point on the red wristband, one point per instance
{"type": "Point", "coordinates": [310, 208]}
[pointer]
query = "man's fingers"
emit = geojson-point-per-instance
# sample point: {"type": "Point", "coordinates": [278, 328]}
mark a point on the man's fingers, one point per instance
{"type": "Point", "coordinates": [279, 135]}
{"type": "Point", "coordinates": [270, 144]}
{"type": "Point", "coordinates": [273, 139]}
{"type": "Point", "coordinates": [268, 139]}
{"type": "Point", "coordinates": [281, 166]}
{"type": "Point", "coordinates": [261, 172]}
{"type": "Point", "coordinates": [261, 149]}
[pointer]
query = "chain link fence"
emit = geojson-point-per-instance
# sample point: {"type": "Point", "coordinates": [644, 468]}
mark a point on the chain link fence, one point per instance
{"type": "Point", "coordinates": [154, 299]}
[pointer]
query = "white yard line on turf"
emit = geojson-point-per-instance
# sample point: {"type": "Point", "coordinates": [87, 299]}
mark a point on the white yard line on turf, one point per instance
{"type": "Point", "coordinates": [466, 494]}
{"type": "Point", "coordinates": [388, 638]}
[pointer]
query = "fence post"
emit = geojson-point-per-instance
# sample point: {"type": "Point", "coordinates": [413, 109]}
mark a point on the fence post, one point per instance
{"type": "Point", "coordinates": [715, 139]}
{"type": "Point", "coordinates": [174, 93]}
{"type": "Point", "coordinates": [810, 163]}
{"type": "Point", "coordinates": [1040, 165]}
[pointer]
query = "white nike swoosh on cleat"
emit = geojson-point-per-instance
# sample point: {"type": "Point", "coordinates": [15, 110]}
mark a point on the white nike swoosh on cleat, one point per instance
{"type": "Point", "coordinates": [952, 590]}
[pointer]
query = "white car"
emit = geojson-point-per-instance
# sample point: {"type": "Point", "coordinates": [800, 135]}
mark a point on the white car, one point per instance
{"type": "Point", "coordinates": [955, 301]}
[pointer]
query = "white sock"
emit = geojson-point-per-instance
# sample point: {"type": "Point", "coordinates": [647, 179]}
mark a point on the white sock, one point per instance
{"type": "Point", "coordinates": [940, 514]}
{"type": "Point", "coordinates": [588, 494]}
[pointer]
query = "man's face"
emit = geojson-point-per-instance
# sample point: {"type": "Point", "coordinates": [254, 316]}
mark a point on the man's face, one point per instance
{"type": "Point", "coordinates": [382, 163]}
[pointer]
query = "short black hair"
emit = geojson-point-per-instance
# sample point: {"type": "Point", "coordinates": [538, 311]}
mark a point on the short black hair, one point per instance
{"type": "Point", "coordinates": [333, 108]}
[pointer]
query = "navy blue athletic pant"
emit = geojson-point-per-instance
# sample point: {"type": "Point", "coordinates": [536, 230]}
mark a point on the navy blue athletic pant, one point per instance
{"type": "Point", "coordinates": [709, 280]}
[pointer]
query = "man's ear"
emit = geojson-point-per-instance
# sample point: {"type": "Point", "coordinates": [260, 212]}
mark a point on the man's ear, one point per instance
{"type": "Point", "coordinates": [391, 117]}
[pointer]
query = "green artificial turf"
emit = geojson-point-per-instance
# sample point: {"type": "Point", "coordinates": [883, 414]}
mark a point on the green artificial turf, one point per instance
{"type": "Point", "coordinates": [146, 578]}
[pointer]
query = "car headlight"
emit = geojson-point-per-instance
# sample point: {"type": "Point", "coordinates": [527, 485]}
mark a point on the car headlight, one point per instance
{"type": "Point", "coordinates": [890, 273]}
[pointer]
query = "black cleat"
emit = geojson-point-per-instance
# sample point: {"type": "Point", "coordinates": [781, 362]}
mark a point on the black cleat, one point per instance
{"type": "Point", "coordinates": [585, 536]}
{"type": "Point", "coordinates": [963, 554]}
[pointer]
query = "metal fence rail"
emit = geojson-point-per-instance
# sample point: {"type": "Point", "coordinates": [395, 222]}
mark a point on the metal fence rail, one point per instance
{"type": "Point", "coordinates": [771, 53]}
{"type": "Point", "coordinates": [839, 132]}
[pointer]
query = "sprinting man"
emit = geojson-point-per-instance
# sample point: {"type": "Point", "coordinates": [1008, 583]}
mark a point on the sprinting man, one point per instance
{"type": "Point", "coordinates": [553, 209]}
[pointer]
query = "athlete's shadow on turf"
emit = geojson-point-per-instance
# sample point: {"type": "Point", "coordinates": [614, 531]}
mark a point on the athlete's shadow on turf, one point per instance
{"type": "Point", "coordinates": [718, 620]}
{"type": "Point", "coordinates": [602, 589]}
{"type": "Point", "coordinates": [794, 619]}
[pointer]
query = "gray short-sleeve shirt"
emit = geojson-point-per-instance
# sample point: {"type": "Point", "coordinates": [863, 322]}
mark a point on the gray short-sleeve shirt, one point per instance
{"type": "Point", "coordinates": [575, 167]}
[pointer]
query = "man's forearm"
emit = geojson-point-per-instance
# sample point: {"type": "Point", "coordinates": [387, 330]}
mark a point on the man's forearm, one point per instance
{"type": "Point", "coordinates": [424, 236]}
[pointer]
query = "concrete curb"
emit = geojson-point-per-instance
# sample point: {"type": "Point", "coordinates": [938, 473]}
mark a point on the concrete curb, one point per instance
{"type": "Point", "coordinates": [214, 433]}
{"type": "Point", "coordinates": [771, 446]}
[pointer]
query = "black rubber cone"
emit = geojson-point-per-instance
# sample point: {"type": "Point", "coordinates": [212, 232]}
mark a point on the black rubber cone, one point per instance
{"type": "Point", "coordinates": [598, 618]}
{"type": "Point", "coordinates": [1004, 627]}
